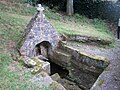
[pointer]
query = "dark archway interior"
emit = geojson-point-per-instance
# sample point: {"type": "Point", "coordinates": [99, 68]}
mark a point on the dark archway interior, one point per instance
{"type": "Point", "coordinates": [43, 49]}
{"type": "Point", "coordinates": [58, 69]}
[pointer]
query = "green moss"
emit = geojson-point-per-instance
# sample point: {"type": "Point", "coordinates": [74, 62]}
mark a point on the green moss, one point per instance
{"type": "Point", "coordinates": [88, 55]}
{"type": "Point", "coordinates": [108, 69]}
{"type": "Point", "coordinates": [38, 61]}
{"type": "Point", "coordinates": [36, 69]}
{"type": "Point", "coordinates": [43, 73]}
{"type": "Point", "coordinates": [54, 85]}
{"type": "Point", "coordinates": [100, 82]}
{"type": "Point", "coordinates": [94, 57]}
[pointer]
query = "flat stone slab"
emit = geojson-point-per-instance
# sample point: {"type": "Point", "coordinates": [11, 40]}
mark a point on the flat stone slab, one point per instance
{"type": "Point", "coordinates": [36, 64]}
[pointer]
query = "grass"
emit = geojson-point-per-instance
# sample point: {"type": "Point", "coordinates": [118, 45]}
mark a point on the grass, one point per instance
{"type": "Point", "coordinates": [79, 25]}
{"type": "Point", "coordinates": [100, 82]}
{"type": "Point", "coordinates": [13, 21]}
{"type": "Point", "coordinates": [15, 79]}
{"type": "Point", "coordinates": [84, 27]}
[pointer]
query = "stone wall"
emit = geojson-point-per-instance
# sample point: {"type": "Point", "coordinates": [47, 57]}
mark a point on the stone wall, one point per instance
{"type": "Point", "coordinates": [83, 68]}
{"type": "Point", "coordinates": [38, 30]}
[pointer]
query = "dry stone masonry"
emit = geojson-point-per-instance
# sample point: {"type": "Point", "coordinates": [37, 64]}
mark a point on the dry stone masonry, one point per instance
{"type": "Point", "coordinates": [38, 30]}
{"type": "Point", "coordinates": [39, 36]}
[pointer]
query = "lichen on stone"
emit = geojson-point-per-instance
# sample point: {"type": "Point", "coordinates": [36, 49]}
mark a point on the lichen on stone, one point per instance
{"type": "Point", "coordinates": [94, 57]}
{"type": "Point", "coordinates": [36, 69]}
{"type": "Point", "coordinates": [28, 61]}
{"type": "Point", "coordinates": [38, 62]}
{"type": "Point", "coordinates": [54, 85]}
{"type": "Point", "coordinates": [43, 74]}
{"type": "Point", "coordinates": [100, 82]}
{"type": "Point", "coordinates": [108, 69]}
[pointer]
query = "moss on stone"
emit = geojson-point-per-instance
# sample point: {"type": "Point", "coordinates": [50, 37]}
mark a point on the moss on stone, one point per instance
{"type": "Point", "coordinates": [38, 61]}
{"type": "Point", "coordinates": [100, 82]}
{"type": "Point", "coordinates": [36, 69]}
{"type": "Point", "coordinates": [54, 85]}
{"type": "Point", "coordinates": [88, 55]}
{"type": "Point", "coordinates": [27, 61]}
{"type": "Point", "coordinates": [94, 57]}
{"type": "Point", "coordinates": [108, 69]}
{"type": "Point", "coordinates": [43, 73]}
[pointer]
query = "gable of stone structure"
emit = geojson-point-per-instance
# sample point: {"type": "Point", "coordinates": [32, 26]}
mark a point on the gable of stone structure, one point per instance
{"type": "Point", "coordinates": [38, 30]}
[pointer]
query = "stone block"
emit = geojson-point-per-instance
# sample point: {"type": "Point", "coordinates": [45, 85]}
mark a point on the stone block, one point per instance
{"type": "Point", "coordinates": [42, 78]}
{"type": "Point", "coordinates": [55, 77]}
{"type": "Point", "coordinates": [41, 65]}
{"type": "Point", "coordinates": [28, 61]}
{"type": "Point", "coordinates": [56, 86]}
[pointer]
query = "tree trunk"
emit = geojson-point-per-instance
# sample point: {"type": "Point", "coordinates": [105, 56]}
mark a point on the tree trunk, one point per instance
{"type": "Point", "coordinates": [70, 9]}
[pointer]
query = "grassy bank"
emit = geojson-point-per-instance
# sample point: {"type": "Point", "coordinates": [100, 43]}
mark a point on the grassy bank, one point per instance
{"type": "Point", "coordinates": [13, 20]}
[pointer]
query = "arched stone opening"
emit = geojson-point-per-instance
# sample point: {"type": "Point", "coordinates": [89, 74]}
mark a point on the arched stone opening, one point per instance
{"type": "Point", "coordinates": [44, 48]}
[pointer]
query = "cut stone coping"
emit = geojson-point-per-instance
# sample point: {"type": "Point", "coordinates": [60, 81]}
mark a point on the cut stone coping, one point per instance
{"type": "Point", "coordinates": [95, 57]}
{"type": "Point", "coordinates": [63, 53]}
{"type": "Point", "coordinates": [88, 55]}
{"type": "Point", "coordinates": [90, 60]}
{"type": "Point", "coordinates": [55, 77]}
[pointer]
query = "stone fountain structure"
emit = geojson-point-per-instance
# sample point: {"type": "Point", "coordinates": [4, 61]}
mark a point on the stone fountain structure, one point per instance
{"type": "Point", "coordinates": [39, 30]}
{"type": "Point", "coordinates": [42, 42]}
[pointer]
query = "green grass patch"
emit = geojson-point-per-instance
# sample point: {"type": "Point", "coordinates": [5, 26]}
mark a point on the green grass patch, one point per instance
{"type": "Point", "coordinates": [16, 79]}
{"type": "Point", "coordinates": [79, 25]}
{"type": "Point", "coordinates": [17, 8]}
{"type": "Point", "coordinates": [12, 25]}
{"type": "Point", "coordinates": [98, 29]}
{"type": "Point", "coordinates": [13, 21]}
